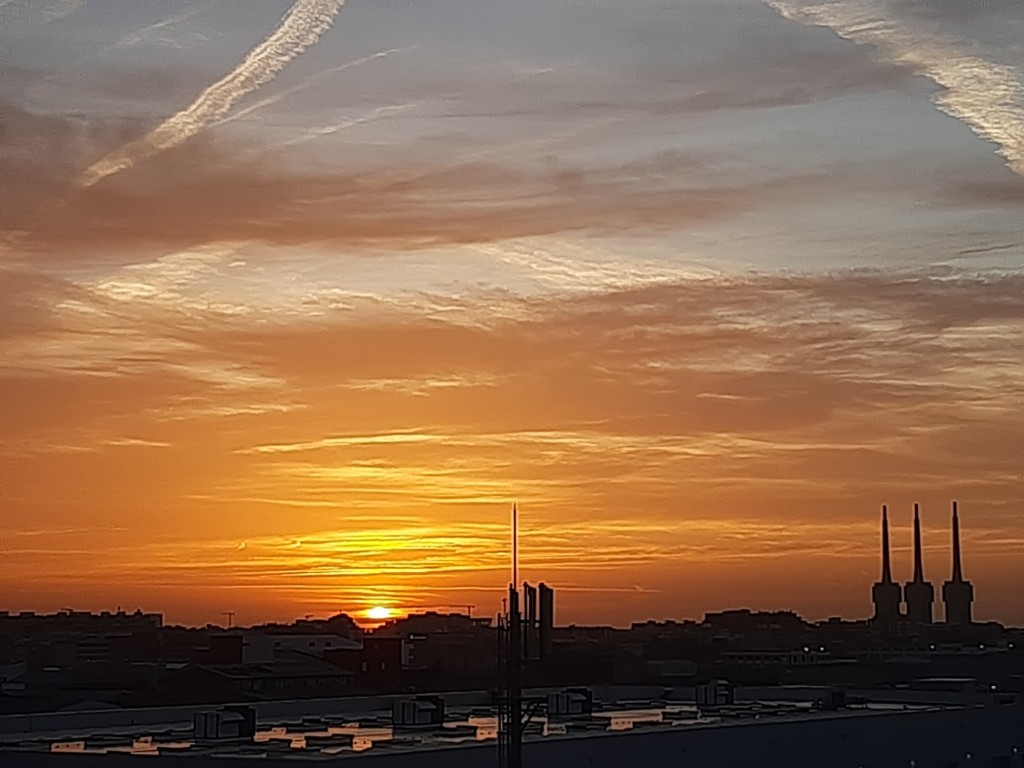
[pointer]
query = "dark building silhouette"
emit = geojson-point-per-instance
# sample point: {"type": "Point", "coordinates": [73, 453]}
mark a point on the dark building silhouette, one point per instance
{"type": "Point", "coordinates": [547, 619]}
{"type": "Point", "coordinates": [918, 594]}
{"type": "Point", "coordinates": [444, 651]}
{"type": "Point", "coordinates": [957, 593]}
{"type": "Point", "coordinates": [81, 661]}
{"type": "Point", "coordinates": [382, 664]}
{"type": "Point", "coordinates": [885, 594]}
{"type": "Point", "coordinates": [531, 630]}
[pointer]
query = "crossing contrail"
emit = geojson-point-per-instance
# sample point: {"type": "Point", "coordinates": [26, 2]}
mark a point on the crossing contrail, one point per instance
{"type": "Point", "coordinates": [300, 28]}
{"type": "Point", "coordinates": [276, 97]}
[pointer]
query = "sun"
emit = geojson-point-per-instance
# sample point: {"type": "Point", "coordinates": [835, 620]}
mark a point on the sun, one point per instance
{"type": "Point", "coordinates": [378, 613]}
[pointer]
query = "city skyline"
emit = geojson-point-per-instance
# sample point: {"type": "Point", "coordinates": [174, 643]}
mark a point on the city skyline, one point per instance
{"type": "Point", "coordinates": [297, 296]}
{"type": "Point", "coordinates": [888, 597]}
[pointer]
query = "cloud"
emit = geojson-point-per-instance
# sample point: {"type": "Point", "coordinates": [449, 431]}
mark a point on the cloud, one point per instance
{"type": "Point", "coordinates": [986, 95]}
{"type": "Point", "coordinates": [763, 71]}
{"type": "Point", "coordinates": [145, 33]}
{"type": "Point", "coordinates": [303, 86]}
{"type": "Point", "coordinates": [993, 193]}
{"type": "Point", "coordinates": [680, 423]}
{"type": "Point", "coordinates": [716, 438]}
{"type": "Point", "coordinates": [300, 28]}
{"type": "Point", "coordinates": [135, 442]}
{"type": "Point", "coordinates": [956, 10]}
{"type": "Point", "coordinates": [207, 192]}
{"type": "Point", "coordinates": [62, 8]}
{"type": "Point", "coordinates": [27, 302]}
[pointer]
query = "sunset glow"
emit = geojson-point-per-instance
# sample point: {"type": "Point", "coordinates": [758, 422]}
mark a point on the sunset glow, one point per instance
{"type": "Point", "coordinates": [297, 298]}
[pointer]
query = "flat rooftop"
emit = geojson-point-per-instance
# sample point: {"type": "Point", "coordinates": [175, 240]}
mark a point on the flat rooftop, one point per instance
{"type": "Point", "coordinates": [350, 733]}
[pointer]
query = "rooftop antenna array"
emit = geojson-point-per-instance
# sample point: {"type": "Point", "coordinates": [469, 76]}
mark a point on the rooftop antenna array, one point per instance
{"type": "Point", "coordinates": [510, 664]}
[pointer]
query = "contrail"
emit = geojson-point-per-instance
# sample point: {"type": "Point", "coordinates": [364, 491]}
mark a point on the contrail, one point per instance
{"type": "Point", "coordinates": [300, 28]}
{"type": "Point", "coordinates": [351, 122]}
{"type": "Point", "coordinates": [306, 84]}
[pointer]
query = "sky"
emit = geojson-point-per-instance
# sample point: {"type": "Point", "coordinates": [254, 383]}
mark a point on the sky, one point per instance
{"type": "Point", "coordinates": [298, 296]}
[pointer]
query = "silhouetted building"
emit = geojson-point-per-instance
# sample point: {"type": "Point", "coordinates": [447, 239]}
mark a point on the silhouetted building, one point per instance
{"type": "Point", "coordinates": [957, 593]}
{"type": "Point", "coordinates": [547, 619]}
{"type": "Point", "coordinates": [742, 622]}
{"type": "Point", "coordinates": [446, 651]}
{"type": "Point", "coordinates": [340, 624]}
{"type": "Point", "coordinates": [531, 628]}
{"type": "Point", "coordinates": [919, 594]}
{"type": "Point", "coordinates": [70, 637]}
{"type": "Point", "coordinates": [259, 648]}
{"type": "Point", "coordinates": [380, 664]}
{"type": "Point", "coordinates": [885, 594]}
{"type": "Point", "coordinates": [293, 679]}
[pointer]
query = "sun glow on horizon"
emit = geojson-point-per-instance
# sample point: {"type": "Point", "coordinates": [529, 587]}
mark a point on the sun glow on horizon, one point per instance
{"type": "Point", "coordinates": [379, 613]}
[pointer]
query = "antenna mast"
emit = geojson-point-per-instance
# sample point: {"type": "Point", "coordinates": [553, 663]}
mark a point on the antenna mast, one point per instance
{"type": "Point", "coordinates": [515, 544]}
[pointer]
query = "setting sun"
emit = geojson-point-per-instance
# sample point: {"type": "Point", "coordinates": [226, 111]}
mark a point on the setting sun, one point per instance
{"type": "Point", "coordinates": [378, 613]}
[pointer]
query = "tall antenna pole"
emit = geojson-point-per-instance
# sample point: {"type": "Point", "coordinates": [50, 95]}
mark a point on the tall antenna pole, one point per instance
{"type": "Point", "coordinates": [510, 706]}
{"type": "Point", "coordinates": [515, 544]}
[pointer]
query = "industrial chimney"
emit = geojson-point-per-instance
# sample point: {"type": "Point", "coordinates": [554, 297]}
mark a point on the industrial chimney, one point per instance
{"type": "Point", "coordinates": [885, 594]}
{"type": "Point", "coordinates": [919, 594]}
{"type": "Point", "coordinates": [957, 594]}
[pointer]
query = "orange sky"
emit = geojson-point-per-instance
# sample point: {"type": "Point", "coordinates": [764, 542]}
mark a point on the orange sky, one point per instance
{"type": "Point", "coordinates": [695, 446]}
{"type": "Point", "coordinates": [291, 340]}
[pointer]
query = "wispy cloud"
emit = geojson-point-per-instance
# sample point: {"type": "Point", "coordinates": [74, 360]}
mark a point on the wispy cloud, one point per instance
{"type": "Point", "coordinates": [986, 95]}
{"type": "Point", "coordinates": [300, 28]}
{"type": "Point", "coordinates": [438, 200]}
{"type": "Point", "coordinates": [135, 442]}
{"type": "Point", "coordinates": [138, 36]}
{"type": "Point", "coordinates": [62, 8]}
{"type": "Point", "coordinates": [753, 423]}
{"type": "Point", "coordinates": [306, 378]}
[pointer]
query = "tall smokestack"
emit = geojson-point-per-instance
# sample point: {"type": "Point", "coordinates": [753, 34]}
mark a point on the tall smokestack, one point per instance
{"type": "Point", "coordinates": [886, 564]}
{"type": "Point", "coordinates": [886, 593]}
{"type": "Point", "coordinates": [918, 594]}
{"type": "Point", "coordinates": [958, 593]}
{"type": "Point", "coordinates": [918, 560]}
{"type": "Point", "coordinates": [958, 573]}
